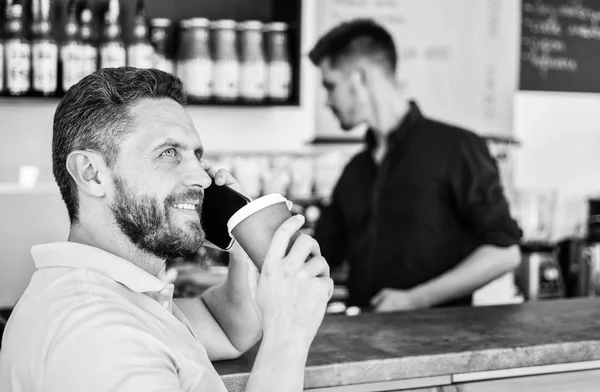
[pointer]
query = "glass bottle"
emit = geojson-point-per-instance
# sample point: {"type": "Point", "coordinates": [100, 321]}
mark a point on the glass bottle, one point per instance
{"type": "Point", "coordinates": [226, 73]}
{"type": "Point", "coordinates": [279, 71]}
{"type": "Point", "coordinates": [112, 50]}
{"type": "Point", "coordinates": [17, 52]}
{"type": "Point", "coordinates": [160, 39]}
{"type": "Point", "coordinates": [2, 31]}
{"type": "Point", "coordinates": [87, 38]}
{"type": "Point", "coordinates": [140, 53]}
{"type": "Point", "coordinates": [44, 50]}
{"type": "Point", "coordinates": [70, 51]}
{"type": "Point", "coordinates": [253, 69]}
{"type": "Point", "coordinates": [1, 66]}
{"type": "Point", "coordinates": [194, 66]}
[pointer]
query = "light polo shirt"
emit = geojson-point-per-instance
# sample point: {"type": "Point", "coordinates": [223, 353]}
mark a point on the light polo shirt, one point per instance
{"type": "Point", "coordinates": [92, 321]}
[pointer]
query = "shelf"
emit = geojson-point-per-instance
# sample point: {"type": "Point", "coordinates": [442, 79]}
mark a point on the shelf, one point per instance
{"type": "Point", "coordinates": [288, 11]}
{"type": "Point", "coordinates": [330, 140]}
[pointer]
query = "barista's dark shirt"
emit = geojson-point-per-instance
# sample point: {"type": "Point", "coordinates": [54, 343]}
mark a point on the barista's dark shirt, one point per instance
{"type": "Point", "coordinates": [434, 199]}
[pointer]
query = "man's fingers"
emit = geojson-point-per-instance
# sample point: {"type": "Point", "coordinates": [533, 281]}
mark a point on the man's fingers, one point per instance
{"type": "Point", "coordinates": [208, 167]}
{"type": "Point", "coordinates": [317, 267]}
{"type": "Point", "coordinates": [223, 177]}
{"type": "Point", "coordinates": [378, 298]}
{"type": "Point", "coordinates": [303, 247]}
{"type": "Point", "coordinates": [281, 239]}
{"type": "Point", "coordinates": [327, 284]}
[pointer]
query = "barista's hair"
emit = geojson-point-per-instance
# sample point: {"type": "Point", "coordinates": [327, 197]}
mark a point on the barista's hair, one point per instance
{"type": "Point", "coordinates": [95, 115]}
{"type": "Point", "coordinates": [356, 39]}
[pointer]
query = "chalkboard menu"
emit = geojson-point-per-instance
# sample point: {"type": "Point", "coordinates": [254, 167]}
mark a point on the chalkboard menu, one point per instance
{"type": "Point", "coordinates": [560, 45]}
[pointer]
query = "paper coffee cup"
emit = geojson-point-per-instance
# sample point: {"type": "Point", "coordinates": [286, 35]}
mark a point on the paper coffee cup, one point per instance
{"type": "Point", "coordinates": [253, 225]}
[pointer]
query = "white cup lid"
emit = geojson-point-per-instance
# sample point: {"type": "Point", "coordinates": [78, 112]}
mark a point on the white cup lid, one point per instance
{"type": "Point", "coordinates": [255, 206]}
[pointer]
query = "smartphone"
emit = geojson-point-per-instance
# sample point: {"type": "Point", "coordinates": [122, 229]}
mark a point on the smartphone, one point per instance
{"type": "Point", "coordinates": [219, 204]}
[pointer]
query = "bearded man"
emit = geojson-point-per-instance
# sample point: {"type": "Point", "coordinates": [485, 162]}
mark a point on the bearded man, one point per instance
{"type": "Point", "coordinates": [97, 315]}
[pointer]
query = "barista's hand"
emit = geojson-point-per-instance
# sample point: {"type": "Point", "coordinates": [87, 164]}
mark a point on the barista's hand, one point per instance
{"type": "Point", "coordinates": [292, 295]}
{"type": "Point", "coordinates": [393, 300]}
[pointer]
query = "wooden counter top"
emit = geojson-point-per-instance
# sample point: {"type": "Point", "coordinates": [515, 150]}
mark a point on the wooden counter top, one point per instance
{"type": "Point", "coordinates": [373, 348]}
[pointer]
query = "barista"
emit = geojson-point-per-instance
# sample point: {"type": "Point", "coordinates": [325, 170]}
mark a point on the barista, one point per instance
{"type": "Point", "coordinates": [420, 214]}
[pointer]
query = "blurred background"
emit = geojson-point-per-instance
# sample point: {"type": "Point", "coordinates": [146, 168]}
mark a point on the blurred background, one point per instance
{"type": "Point", "coordinates": [487, 65]}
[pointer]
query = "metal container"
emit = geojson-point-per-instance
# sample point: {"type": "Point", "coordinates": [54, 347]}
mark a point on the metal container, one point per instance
{"type": "Point", "coordinates": [593, 222]}
{"type": "Point", "coordinates": [588, 282]}
{"type": "Point", "coordinates": [539, 275]}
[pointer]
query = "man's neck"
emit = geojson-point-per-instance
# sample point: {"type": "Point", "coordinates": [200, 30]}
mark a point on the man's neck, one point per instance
{"type": "Point", "coordinates": [390, 108]}
{"type": "Point", "coordinates": [118, 245]}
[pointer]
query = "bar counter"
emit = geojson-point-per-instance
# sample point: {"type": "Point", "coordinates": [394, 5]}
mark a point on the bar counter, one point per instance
{"type": "Point", "coordinates": [510, 347]}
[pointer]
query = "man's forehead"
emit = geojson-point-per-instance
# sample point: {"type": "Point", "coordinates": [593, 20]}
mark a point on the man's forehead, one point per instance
{"type": "Point", "coordinates": [163, 119]}
{"type": "Point", "coordinates": [331, 71]}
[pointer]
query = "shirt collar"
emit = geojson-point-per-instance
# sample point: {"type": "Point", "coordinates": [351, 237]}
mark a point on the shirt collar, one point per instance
{"type": "Point", "coordinates": [413, 116]}
{"type": "Point", "coordinates": [72, 254]}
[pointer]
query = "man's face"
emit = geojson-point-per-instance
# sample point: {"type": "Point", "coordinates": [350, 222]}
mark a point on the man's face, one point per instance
{"type": "Point", "coordinates": [346, 95]}
{"type": "Point", "coordinates": [159, 182]}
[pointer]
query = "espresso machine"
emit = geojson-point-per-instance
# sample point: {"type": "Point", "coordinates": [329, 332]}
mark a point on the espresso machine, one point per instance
{"type": "Point", "coordinates": [539, 276]}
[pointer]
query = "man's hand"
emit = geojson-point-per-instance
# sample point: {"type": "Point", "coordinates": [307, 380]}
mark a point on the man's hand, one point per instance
{"type": "Point", "coordinates": [392, 300]}
{"type": "Point", "coordinates": [292, 294]}
{"type": "Point", "coordinates": [221, 177]}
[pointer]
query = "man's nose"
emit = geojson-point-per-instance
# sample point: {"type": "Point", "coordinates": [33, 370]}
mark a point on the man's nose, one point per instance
{"type": "Point", "coordinates": [195, 175]}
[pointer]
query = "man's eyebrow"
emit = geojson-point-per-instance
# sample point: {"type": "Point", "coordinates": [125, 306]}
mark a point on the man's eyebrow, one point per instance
{"type": "Point", "coordinates": [167, 143]}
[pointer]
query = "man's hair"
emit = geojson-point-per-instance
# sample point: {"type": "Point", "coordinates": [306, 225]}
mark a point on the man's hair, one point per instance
{"type": "Point", "coordinates": [94, 115]}
{"type": "Point", "coordinates": [358, 38]}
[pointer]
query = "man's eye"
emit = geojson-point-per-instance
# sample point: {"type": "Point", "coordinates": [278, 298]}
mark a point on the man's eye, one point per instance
{"type": "Point", "coordinates": [169, 153]}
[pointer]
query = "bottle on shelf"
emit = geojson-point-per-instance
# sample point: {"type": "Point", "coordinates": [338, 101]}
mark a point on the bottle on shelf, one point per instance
{"type": "Point", "coordinates": [17, 51]}
{"type": "Point", "coordinates": [44, 50]}
{"type": "Point", "coordinates": [112, 49]}
{"type": "Point", "coordinates": [161, 40]}
{"type": "Point", "coordinates": [226, 72]}
{"type": "Point", "coordinates": [253, 68]}
{"type": "Point", "coordinates": [87, 41]}
{"type": "Point", "coordinates": [1, 65]}
{"type": "Point", "coordinates": [2, 31]}
{"type": "Point", "coordinates": [279, 70]}
{"type": "Point", "coordinates": [140, 53]}
{"type": "Point", "coordinates": [70, 50]}
{"type": "Point", "coordinates": [194, 62]}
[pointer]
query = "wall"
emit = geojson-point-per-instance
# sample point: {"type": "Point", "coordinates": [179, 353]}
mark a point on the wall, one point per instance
{"type": "Point", "coordinates": [560, 136]}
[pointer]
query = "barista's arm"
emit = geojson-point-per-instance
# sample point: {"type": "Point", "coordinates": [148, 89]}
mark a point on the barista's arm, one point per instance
{"type": "Point", "coordinates": [485, 264]}
{"type": "Point", "coordinates": [475, 182]}
{"type": "Point", "coordinates": [479, 199]}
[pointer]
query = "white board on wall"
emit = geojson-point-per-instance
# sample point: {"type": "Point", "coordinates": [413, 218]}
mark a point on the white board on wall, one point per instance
{"type": "Point", "coordinates": [457, 58]}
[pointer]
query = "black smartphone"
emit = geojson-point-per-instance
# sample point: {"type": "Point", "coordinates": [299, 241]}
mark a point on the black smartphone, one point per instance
{"type": "Point", "coordinates": [219, 204]}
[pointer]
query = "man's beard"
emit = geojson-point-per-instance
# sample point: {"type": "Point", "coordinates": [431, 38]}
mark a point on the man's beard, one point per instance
{"type": "Point", "coordinates": [151, 228]}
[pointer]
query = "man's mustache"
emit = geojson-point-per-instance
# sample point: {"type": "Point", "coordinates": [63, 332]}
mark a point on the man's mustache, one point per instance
{"type": "Point", "coordinates": [186, 197]}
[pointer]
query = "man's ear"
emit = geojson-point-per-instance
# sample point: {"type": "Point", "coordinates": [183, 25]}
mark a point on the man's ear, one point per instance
{"type": "Point", "coordinates": [87, 169]}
